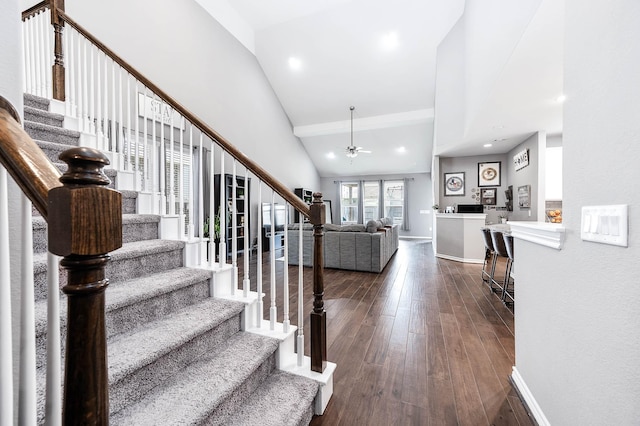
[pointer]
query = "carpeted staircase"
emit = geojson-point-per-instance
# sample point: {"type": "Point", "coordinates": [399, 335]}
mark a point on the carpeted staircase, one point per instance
{"type": "Point", "coordinates": [176, 355]}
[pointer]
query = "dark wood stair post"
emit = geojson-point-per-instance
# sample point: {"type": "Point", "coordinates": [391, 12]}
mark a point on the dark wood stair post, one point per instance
{"type": "Point", "coordinates": [318, 315]}
{"type": "Point", "coordinates": [58, 50]}
{"type": "Point", "coordinates": [85, 224]}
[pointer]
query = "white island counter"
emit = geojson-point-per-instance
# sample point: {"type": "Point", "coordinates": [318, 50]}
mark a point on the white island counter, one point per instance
{"type": "Point", "coordinates": [458, 236]}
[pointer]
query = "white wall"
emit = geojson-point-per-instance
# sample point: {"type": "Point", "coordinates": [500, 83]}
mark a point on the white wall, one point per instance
{"type": "Point", "coordinates": [577, 316]}
{"type": "Point", "coordinates": [194, 59]}
{"type": "Point", "coordinates": [420, 199]}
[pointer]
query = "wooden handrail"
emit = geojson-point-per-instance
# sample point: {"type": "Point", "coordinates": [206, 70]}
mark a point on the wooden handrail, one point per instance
{"type": "Point", "coordinates": [24, 160]}
{"type": "Point", "coordinates": [251, 165]}
{"type": "Point", "coordinates": [43, 5]}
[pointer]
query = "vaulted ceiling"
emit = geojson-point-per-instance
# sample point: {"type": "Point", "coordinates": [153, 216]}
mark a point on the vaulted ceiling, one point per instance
{"type": "Point", "coordinates": [321, 57]}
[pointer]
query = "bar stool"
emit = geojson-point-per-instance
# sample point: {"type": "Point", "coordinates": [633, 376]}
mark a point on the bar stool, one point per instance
{"type": "Point", "coordinates": [506, 294]}
{"type": "Point", "coordinates": [489, 257]}
{"type": "Point", "coordinates": [500, 250]}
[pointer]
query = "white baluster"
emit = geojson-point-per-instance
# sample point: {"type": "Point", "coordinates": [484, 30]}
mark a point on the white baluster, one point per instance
{"type": "Point", "coordinates": [246, 282]}
{"type": "Point", "coordinates": [153, 158]}
{"type": "Point", "coordinates": [212, 208]}
{"type": "Point", "coordinates": [85, 88]}
{"type": "Point", "coordinates": [191, 182]}
{"type": "Point", "coordinates": [223, 215]}
{"type": "Point", "coordinates": [300, 295]}
{"type": "Point", "coordinates": [203, 259]}
{"type": "Point", "coordinates": [163, 163]}
{"type": "Point", "coordinates": [172, 173]}
{"type": "Point", "coordinates": [273, 310]}
{"type": "Point", "coordinates": [129, 139]}
{"type": "Point", "coordinates": [53, 408]}
{"type": "Point", "coordinates": [259, 305]}
{"type": "Point", "coordinates": [66, 37]}
{"type": "Point", "coordinates": [120, 124]}
{"type": "Point", "coordinates": [285, 278]}
{"type": "Point", "coordinates": [181, 187]}
{"type": "Point", "coordinates": [48, 55]}
{"type": "Point", "coordinates": [27, 392]}
{"type": "Point", "coordinates": [40, 57]}
{"type": "Point", "coordinates": [113, 134]}
{"type": "Point", "coordinates": [71, 67]}
{"type": "Point", "coordinates": [26, 25]}
{"type": "Point", "coordinates": [92, 94]}
{"type": "Point", "coordinates": [6, 371]}
{"type": "Point", "coordinates": [136, 151]}
{"type": "Point", "coordinates": [98, 102]}
{"type": "Point", "coordinates": [105, 110]}
{"type": "Point", "coordinates": [145, 142]}
{"type": "Point", "coordinates": [234, 230]}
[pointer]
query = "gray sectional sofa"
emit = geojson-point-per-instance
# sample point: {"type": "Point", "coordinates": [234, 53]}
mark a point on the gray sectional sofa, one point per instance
{"type": "Point", "coordinates": [353, 247]}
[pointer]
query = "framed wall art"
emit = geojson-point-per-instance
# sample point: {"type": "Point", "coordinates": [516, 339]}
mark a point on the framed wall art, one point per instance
{"type": "Point", "coordinates": [521, 159]}
{"type": "Point", "coordinates": [454, 183]}
{"type": "Point", "coordinates": [524, 196]}
{"type": "Point", "coordinates": [488, 196]}
{"type": "Point", "coordinates": [489, 174]}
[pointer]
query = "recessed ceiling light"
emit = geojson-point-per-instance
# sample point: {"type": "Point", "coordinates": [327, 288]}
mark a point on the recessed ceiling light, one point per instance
{"type": "Point", "coordinates": [487, 145]}
{"type": "Point", "coordinates": [560, 99]}
{"type": "Point", "coordinates": [389, 41]}
{"type": "Point", "coordinates": [295, 63]}
{"type": "Point", "coordinates": [401, 149]}
{"type": "Point", "coordinates": [331, 155]}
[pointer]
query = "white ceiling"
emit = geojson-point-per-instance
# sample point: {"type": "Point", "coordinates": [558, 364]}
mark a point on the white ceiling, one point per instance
{"type": "Point", "coordinates": [338, 43]}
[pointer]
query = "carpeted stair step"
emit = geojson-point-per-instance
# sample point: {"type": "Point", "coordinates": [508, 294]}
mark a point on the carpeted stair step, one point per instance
{"type": "Point", "coordinates": [53, 150]}
{"type": "Point", "coordinates": [214, 386]}
{"type": "Point", "coordinates": [132, 303]}
{"type": "Point", "coordinates": [132, 260]}
{"type": "Point", "coordinates": [135, 227]}
{"type": "Point", "coordinates": [283, 399]}
{"type": "Point", "coordinates": [141, 360]}
{"type": "Point", "coordinates": [37, 102]}
{"type": "Point", "coordinates": [43, 132]}
{"type": "Point", "coordinates": [38, 115]}
{"type": "Point", "coordinates": [129, 202]}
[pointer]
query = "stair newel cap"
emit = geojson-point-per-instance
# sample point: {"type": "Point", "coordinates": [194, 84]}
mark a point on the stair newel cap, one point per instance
{"type": "Point", "coordinates": [317, 208]}
{"type": "Point", "coordinates": [85, 167]}
{"type": "Point", "coordinates": [85, 217]}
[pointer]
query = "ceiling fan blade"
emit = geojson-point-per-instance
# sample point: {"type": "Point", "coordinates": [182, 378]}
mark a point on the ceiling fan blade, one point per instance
{"type": "Point", "coordinates": [365, 151]}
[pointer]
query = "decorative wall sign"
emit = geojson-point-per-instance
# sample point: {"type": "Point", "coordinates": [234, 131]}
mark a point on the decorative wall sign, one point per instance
{"type": "Point", "coordinates": [454, 183]}
{"type": "Point", "coordinates": [524, 196]}
{"type": "Point", "coordinates": [489, 174]}
{"type": "Point", "coordinates": [159, 111]}
{"type": "Point", "coordinates": [488, 196]}
{"type": "Point", "coordinates": [521, 159]}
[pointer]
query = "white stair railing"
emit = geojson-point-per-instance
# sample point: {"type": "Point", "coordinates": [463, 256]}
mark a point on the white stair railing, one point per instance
{"type": "Point", "coordinates": [163, 151]}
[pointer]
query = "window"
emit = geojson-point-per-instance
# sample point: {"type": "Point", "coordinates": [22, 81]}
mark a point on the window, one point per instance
{"type": "Point", "coordinates": [349, 202]}
{"type": "Point", "coordinates": [371, 200]}
{"type": "Point", "coordinates": [394, 200]}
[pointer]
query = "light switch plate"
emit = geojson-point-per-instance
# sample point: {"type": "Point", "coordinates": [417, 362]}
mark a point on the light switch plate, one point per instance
{"type": "Point", "coordinates": [606, 224]}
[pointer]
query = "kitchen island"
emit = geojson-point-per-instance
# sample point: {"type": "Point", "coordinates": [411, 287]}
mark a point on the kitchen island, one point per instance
{"type": "Point", "coordinates": [458, 236]}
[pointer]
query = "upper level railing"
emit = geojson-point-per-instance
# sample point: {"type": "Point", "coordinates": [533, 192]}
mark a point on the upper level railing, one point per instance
{"type": "Point", "coordinates": [172, 159]}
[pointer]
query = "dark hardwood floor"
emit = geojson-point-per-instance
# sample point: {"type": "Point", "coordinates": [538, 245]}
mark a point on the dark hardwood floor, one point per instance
{"type": "Point", "coordinates": [422, 343]}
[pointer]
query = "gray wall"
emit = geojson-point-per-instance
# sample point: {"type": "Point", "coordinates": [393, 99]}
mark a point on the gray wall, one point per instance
{"type": "Point", "coordinates": [420, 199]}
{"type": "Point", "coordinates": [469, 165]}
{"type": "Point", "coordinates": [193, 58]}
{"type": "Point", "coordinates": [577, 320]}
{"type": "Point", "coordinates": [528, 175]}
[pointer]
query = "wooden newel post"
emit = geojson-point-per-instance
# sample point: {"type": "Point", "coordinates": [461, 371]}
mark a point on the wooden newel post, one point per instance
{"type": "Point", "coordinates": [85, 224]}
{"type": "Point", "coordinates": [318, 315]}
{"type": "Point", "coordinates": [58, 51]}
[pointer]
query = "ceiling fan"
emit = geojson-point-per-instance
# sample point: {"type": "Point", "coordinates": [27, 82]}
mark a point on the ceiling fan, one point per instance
{"type": "Point", "coordinates": [352, 151]}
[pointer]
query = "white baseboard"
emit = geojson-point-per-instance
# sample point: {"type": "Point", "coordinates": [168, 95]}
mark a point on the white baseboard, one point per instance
{"type": "Point", "coordinates": [459, 259]}
{"type": "Point", "coordinates": [528, 398]}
